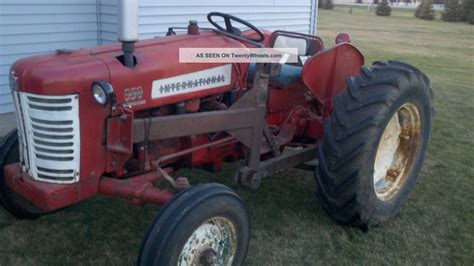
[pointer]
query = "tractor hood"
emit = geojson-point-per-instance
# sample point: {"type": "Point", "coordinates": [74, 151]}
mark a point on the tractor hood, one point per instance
{"type": "Point", "coordinates": [70, 72]}
{"type": "Point", "coordinates": [62, 73]}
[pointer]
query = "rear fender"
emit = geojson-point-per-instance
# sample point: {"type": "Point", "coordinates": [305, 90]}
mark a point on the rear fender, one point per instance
{"type": "Point", "coordinates": [325, 74]}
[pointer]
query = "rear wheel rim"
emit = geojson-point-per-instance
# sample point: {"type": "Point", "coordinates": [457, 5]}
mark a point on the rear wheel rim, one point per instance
{"type": "Point", "coordinates": [397, 152]}
{"type": "Point", "coordinates": [214, 242]}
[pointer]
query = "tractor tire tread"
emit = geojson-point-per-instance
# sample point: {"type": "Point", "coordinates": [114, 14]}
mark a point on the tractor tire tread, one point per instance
{"type": "Point", "coordinates": [173, 213]}
{"type": "Point", "coordinates": [346, 130]}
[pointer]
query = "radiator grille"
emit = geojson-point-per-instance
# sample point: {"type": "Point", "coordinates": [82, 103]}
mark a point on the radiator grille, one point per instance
{"type": "Point", "coordinates": [49, 136]}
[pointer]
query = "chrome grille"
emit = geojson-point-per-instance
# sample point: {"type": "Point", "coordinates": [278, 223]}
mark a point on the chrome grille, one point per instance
{"type": "Point", "coordinates": [49, 136]}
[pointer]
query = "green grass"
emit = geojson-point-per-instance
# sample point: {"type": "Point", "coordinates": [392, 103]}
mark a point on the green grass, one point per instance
{"type": "Point", "coordinates": [289, 225]}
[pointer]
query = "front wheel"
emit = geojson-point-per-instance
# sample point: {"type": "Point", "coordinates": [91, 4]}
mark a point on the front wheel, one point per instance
{"type": "Point", "coordinates": [375, 143]}
{"type": "Point", "coordinates": [13, 202]}
{"type": "Point", "coordinates": [203, 225]}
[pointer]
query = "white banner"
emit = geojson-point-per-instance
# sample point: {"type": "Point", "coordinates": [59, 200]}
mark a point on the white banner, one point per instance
{"type": "Point", "coordinates": [238, 55]}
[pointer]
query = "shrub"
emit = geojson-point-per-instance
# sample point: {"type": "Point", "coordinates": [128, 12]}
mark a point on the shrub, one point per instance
{"type": "Point", "coordinates": [327, 4]}
{"type": "Point", "coordinates": [470, 17]}
{"type": "Point", "coordinates": [383, 8]}
{"type": "Point", "coordinates": [425, 10]}
{"type": "Point", "coordinates": [453, 11]}
{"type": "Point", "coordinates": [468, 7]}
{"type": "Point", "coordinates": [418, 10]}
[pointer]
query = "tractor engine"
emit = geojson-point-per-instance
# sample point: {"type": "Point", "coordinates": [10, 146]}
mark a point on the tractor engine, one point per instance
{"type": "Point", "coordinates": [211, 158]}
{"type": "Point", "coordinates": [291, 114]}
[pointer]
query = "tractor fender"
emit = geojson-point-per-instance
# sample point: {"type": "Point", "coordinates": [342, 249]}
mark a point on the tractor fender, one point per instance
{"type": "Point", "coordinates": [325, 73]}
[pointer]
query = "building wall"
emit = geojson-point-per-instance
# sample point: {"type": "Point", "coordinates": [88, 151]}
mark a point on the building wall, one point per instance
{"type": "Point", "coordinates": [156, 16]}
{"type": "Point", "coordinates": [30, 27]}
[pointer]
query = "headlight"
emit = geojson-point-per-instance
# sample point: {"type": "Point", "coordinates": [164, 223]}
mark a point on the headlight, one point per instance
{"type": "Point", "coordinates": [103, 92]}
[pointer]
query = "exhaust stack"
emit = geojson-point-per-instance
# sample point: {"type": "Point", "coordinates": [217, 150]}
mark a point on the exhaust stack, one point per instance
{"type": "Point", "coordinates": [128, 29]}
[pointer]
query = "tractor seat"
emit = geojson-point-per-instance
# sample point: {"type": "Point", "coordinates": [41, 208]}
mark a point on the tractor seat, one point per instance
{"type": "Point", "coordinates": [289, 75]}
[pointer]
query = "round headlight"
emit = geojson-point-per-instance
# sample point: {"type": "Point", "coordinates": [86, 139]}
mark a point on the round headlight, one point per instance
{"type": "Point", "coordinates": [103, 92]}
{"type": "Point", "coordinates": [99, 94]}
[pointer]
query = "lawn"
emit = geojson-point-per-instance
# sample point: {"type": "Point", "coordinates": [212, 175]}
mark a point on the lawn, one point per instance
{"type": "Point", "coordinates": [289, 225]}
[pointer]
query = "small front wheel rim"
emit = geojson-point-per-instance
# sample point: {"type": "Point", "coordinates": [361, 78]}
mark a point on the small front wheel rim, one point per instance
{"type": "Point", "coordinates": [397, 151]}
{"type": "Point", "coordinates": [214, 242]}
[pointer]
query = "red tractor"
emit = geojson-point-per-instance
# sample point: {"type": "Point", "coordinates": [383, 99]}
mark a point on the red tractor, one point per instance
{"type": "Point", "coordinates": [116, 119]}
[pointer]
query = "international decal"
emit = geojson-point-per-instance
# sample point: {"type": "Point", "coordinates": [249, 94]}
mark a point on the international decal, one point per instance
{"type": "Point", "coordinates": [191, 82]}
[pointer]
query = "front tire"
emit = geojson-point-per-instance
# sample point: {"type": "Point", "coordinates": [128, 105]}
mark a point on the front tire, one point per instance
{"type": "Point", "coordinates": [14, 203]}
{"type": "Point", "coordinates": [203, 225]}
{"type": "Point", "coordinates": [375, 143]}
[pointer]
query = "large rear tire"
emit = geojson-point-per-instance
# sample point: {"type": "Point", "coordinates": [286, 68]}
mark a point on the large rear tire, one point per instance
{"type": "Point", "coordinates": [375, 143]}
{"type": "Point", "coordinates": [203, 225]}
{"type": "Point", "coordinates": [11, 201]}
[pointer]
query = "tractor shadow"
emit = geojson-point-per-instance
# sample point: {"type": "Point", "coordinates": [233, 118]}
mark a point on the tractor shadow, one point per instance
{"type": "Point", "coordinates": [105, 230]}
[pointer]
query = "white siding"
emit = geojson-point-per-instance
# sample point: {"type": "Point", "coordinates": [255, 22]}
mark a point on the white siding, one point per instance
{"type": "Point", "coordinates": [29, 27]}
{"type": "Point", "coordinates": [155, 16]}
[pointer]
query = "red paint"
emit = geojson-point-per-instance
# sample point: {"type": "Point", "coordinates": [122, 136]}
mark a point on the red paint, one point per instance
{"type": "Point", "coordinates": [119, 142]}
{"type": "Point", "coordinates": [159, 60]}
{"type": "Point", "coordinates": [325, 75]}
{"type": "Point", "coordinates": [138, 190]}
{"type": "Point", "coordinates": [253, 35]}
{"type": "Point", "coordinates": [343, 37]}
{"type": "Point", "coordinates": [48, 196]}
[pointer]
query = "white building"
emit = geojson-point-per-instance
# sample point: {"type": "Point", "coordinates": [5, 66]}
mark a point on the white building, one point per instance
{"type": "Point", "coordinates": [30, 27]}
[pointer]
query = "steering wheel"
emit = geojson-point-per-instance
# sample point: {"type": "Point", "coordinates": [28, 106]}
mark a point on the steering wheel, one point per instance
{"type": "Point", "coordinates": [230, 29]}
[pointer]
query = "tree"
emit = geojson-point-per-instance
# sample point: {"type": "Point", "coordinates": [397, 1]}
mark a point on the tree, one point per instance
{"type": "Point", "coordinates": [326, 4]}
{"type": "Point", "coordinates": [425, 10]}
{"type": "Point", "coordinates": [418, 10]}
{"type": "Point", "coordinates": [470, 17]}
{"type": "Point", "coordinates": [468, 7]}
{"type": "Point", "coordinates": [383, 9]}
{"type": "Point", "coordinates": [453, 11]}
